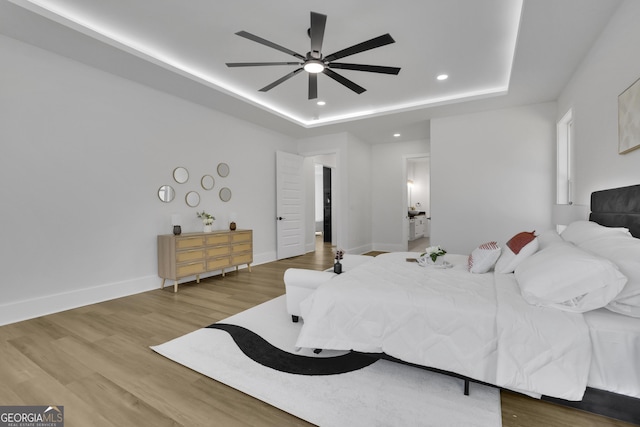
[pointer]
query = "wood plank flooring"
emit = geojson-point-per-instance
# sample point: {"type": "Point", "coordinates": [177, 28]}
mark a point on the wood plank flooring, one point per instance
{"type": "Point", "coordinates": [96, 361]}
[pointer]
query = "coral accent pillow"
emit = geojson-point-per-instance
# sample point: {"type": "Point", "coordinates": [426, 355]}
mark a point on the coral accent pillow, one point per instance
{"type": "Point", "coordinates": [520, 240]}
{"type": "Point", "coordinates": [484, 257]}
{"type": "Point", "coordinates": [521, 246]}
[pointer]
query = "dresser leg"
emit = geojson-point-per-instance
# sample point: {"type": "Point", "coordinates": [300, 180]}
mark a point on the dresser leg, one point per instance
{"type": "Point", "coordinates": [249, 267]}
{"type": "Point", "coordinates": [175, 286]}
{"type": "Point", "coordinates": [162, 286]}
{"type": "Point", "coordinates": [197, 278]}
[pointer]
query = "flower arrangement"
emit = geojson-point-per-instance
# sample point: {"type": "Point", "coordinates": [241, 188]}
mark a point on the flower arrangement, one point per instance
{"type": "Point", "coordinates": [433, 252]}
{"type": "Point", "coordinates": [207, 219]}
{"type": "Point", "coordinates": [339, 254]}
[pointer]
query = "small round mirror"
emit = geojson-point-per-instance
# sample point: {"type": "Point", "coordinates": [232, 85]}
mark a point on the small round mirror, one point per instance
{"type": "Point", "coordinates": [207, 182]}
{"type": "Point", "coordinates": [223, 169]}
{"type": "Point", "coordinates": [181, 175]}
{"type": "Point", "coordinates": [192, 198]}
{"type": "Point", "coordinates": [225, 194]}
{"type": "Point", "coordinates": [166, 193]}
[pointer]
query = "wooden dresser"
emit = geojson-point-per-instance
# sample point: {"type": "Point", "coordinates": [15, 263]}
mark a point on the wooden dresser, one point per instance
{"type": "Point", "coordinates": [192, 254]}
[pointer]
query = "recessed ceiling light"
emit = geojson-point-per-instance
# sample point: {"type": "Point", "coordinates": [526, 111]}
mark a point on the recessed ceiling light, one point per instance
{"type": "Point", "coordinates": [396, 135]}
{"type": "Point", "coordinates": [443, 77]}
{"type": "Point", "coordinates": [321, 103]}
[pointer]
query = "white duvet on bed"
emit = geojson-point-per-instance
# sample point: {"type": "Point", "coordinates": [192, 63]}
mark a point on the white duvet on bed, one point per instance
{"type": "Point", "coordinates": [476, 325]}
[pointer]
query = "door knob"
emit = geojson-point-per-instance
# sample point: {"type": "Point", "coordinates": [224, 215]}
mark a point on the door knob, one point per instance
{"type": "Point", "coordinates": [280, 218]}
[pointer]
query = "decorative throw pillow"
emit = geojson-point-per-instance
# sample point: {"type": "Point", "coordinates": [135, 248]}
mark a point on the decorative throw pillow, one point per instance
{"type": "Point", "coordinates": [518, 248]}
{"type": "Point", "coordinates": [520, 240]}
{"type": "Point", "coordinates": [484, 257]}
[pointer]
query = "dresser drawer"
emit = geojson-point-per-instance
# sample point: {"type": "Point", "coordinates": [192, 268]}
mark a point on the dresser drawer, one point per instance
{"type": "Point", "coordinates": [189, 242]}
{"type": "Point", "coordinates": [218, 263]}
{"type": "Point", "coordinates": [217, 239]}
{"type": "Point", "coordinates": [242, 259]}
{"type": "Point", "coordinates": [186, 256]}
{"type": "Point", "coordinates": [190, 269]}
{"type": "Point", "coordinates": [218, 251]}
{"type": "Point", "coordinates": [241, 236]}
{"type": "Point", "coordinates": [242, 247]}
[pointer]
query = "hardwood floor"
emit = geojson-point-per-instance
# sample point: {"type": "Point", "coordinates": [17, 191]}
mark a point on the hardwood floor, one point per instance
{"type": "Point", "coordinates": [96, 362]}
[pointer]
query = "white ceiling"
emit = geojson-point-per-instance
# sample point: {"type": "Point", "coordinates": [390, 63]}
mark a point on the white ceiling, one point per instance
{"type": "Point", "coordinates": [497, 53]}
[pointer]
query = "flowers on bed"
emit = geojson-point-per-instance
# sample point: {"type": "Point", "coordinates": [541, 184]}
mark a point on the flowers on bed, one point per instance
{"type": "Point", "coordinates": [339, 254]}
{"type": "Point", "coordinates": [433, 252]}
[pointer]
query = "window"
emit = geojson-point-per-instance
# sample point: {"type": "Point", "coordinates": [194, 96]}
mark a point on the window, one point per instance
{"type": "Point", "coordinates": [564, 172]}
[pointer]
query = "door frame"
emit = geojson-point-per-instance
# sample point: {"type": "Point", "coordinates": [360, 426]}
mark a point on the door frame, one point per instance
{"type": "Point", "coordinates": [337, 214]}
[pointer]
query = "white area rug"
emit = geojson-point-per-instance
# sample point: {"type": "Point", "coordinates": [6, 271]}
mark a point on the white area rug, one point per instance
{"type": "Point", "coordinates": [381, 394]}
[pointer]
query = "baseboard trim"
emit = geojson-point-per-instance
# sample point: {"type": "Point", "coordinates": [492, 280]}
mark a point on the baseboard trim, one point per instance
{"type": "Point", "coordinates": [55, 303]}
{"type": "Point", "coordinates": [43, 305]}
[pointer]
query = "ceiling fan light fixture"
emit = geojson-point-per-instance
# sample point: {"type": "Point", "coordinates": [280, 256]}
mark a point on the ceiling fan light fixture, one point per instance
{"type": "Point", "coordinates": [314, 66]}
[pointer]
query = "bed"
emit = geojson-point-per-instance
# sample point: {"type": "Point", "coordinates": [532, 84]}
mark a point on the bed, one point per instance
{"type": "Point", "coordinates": [526, 325]}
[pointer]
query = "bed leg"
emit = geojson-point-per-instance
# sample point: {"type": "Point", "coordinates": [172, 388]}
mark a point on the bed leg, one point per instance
{"type": "Point", "coordinates": [466, 387]}
{"type": "Point", "coordinates": [294, 318]}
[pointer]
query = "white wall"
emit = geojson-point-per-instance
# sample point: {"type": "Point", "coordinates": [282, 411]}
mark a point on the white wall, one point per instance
{"type": "Point", "coordinates": [351, 190]}
{"type": "Point", "coordinates": [492, 175]}
{"type": "Point", "coordinates": [389, 192]}
{"type": "Point", "coordinates": [358, 199]}
{"type": "Point", "coordinates": [611, 66]}
{"type": "Point", "coordinates": [83, 155]}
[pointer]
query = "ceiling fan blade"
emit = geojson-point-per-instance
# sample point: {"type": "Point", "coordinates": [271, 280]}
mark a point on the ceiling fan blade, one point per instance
{"type": "Point", "coordinates": [258, 64]}
{"type": "Point", "coordinates": [369, 68]}
{"type": "Point", "coordinates": [361, 47]}
{"type": "Point", "coordinates": [318, 23]}
{"type": "Point", "coordinates": [280, 80]}
{"type": "Point", "coordinates": [348, 83]}
{"type": "Point", "coordinates": [272, 45]}
{"type": "Point", "coordinates": [313, 86]}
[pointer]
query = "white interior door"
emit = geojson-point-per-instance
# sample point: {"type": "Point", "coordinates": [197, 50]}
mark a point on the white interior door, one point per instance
{"type": "Point", "coordinates": [290, 197]}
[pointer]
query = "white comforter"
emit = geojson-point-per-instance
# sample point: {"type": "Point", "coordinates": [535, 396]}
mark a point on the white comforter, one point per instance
{"type": "Point", "coordinates": [476, 325]}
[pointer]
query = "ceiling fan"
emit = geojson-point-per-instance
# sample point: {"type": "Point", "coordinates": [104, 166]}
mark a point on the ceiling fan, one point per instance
{"type": "Point", "coordinates": [314, 62]}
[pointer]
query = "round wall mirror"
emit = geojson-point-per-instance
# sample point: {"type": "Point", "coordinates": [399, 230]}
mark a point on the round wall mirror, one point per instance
{"type": "Point", "coordinates": [181, 175]}
{"type": "Point", "coordinates": [223, 169]}
{"type": "Point", "coordinates": [207, 182]}
{"type": "Point", "coordinates": [192, 198]}
{"type": "Point", "coordinates": [225, 194]}
{"type": "Point", "coordinates": [166, 193]}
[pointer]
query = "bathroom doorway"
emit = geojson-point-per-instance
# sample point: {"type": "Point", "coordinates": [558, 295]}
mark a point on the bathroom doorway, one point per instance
{"type": "Point", "coordinates": [418, 203]}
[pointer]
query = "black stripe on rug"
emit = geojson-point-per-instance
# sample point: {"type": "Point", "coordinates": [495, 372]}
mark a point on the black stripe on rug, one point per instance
{"type": "Point", "coordinates": [260, 351]}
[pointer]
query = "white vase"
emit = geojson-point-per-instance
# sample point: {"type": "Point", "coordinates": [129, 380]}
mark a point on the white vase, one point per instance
{"type": "Point", "coordinates": [208, 228]}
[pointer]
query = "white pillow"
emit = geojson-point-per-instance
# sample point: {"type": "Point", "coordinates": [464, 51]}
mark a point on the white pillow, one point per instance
{"type": "Point", "coordinates": [484, 257]}
{"type": "Point", "coordinates": [624, 251]}
{"type": "Point", "coordinates": [581, 231]}
{"type": "Point", "coordinates": [547, 238]}
{"type": "Point", "coordinates": [568, 278]}
{"type": "Point", "coordinates": [509, 261]}
{"type": "Point", "coordinates": [632, 310]}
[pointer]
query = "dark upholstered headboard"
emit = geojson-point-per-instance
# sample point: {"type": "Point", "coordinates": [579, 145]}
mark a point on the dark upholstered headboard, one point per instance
{"type": "Point", "coordinates": [617, 207]}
